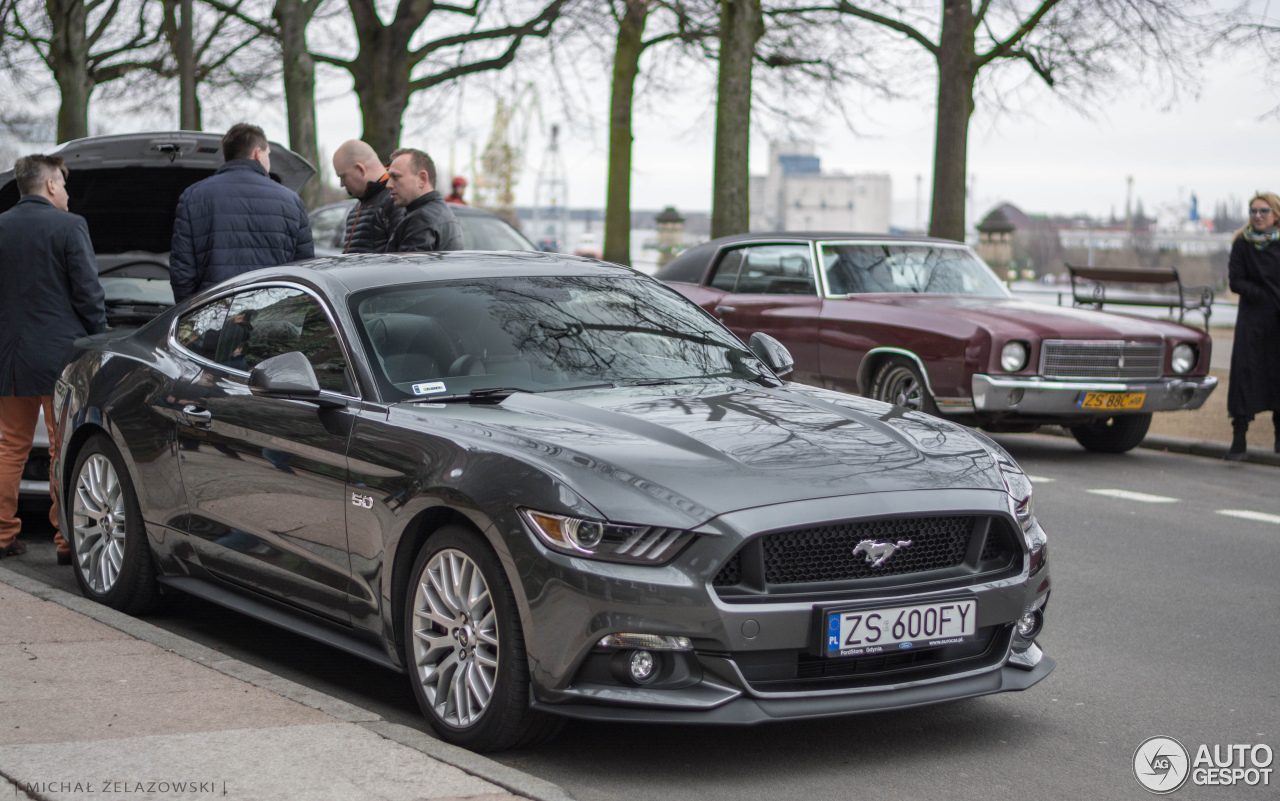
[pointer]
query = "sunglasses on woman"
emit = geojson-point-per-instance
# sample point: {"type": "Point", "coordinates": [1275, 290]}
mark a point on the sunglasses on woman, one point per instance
{"type": "Point", "coordinates": [1259, 212]}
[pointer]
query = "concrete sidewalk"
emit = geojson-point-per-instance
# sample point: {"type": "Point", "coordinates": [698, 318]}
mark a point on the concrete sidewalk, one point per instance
{"type": "Point", "coordinates": [96, 704]}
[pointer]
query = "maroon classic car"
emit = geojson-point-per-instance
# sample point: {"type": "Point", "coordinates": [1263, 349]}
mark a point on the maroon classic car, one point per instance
{"type": "Point", "coordinates": [925, 324]}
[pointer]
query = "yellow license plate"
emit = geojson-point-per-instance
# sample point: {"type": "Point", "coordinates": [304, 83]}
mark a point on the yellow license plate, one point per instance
{"type": "Point", "coordinates": [1111, 400]}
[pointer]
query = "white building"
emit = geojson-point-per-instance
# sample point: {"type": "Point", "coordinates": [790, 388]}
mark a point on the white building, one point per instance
{"type": "Point", "coordinates": [796, 195]}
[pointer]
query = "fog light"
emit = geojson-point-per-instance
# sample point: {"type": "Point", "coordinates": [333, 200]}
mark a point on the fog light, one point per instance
{"type": "Point", "coordinates": [1030, 624]}
{"type": "Point", "coordinates": [642, 666]}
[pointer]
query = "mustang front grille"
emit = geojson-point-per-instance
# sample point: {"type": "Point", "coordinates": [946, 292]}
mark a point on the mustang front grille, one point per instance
{"type": "Point", "coordinates": [1060, 358]}
{"type": "Point", "coordinates": [848, 551]}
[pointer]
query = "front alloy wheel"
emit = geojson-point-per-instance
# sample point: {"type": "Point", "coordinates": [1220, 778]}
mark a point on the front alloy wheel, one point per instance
{"type": "Point", "coordinates": [465, 646]}
{"type": "Point", "coordinates": [899, 382]}
{"type": "Point", "coordinates": [455, 638]}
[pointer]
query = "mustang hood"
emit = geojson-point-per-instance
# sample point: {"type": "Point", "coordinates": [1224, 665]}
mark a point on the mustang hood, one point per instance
{"type": "Point", "coordinates": [704, 450]}
{"type": "Point", "coordinates": [1041, 321]}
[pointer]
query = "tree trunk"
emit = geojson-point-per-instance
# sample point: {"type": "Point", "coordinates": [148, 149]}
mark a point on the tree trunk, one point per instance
{"type": "Point", "coordinates": [380, 73]}
{"type": "Point", "coordinates": [300, 92]}
{"type": "Point", "coordinates": [741, 26]}
{"type": "Point", "coordinates": [69, 60]}
{"type": "Point", "coordinates": [188, 113]}
{"type": "Point", "coordinates": [626, 65]}
{"type": "Point", "coordinates": [956, 75]}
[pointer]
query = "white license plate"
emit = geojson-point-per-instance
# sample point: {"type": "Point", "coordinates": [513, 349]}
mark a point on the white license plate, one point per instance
{"type": "Point", "coordinates": [859, 632]}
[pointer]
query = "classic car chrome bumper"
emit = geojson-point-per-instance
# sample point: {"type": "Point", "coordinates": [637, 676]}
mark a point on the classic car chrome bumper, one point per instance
{"type": "Point", "coordinates": [1035, 395]}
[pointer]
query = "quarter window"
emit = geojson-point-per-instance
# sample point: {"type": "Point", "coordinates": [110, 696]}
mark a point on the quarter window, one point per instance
{"type": "Point", "coordinates": [198, 330]}
{"type": "Point", "coordinates": [726, 275]}
{"type": "Point", "coordinates": [276, 320]}
{"type": "Point", "coordinates": [776, 270]}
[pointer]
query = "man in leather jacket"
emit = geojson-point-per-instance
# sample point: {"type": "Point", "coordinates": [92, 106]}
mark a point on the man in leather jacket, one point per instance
{"type": "Point", "coordinates": [428, 224]}
{"type": "Point", "coordinates": [370, 222]}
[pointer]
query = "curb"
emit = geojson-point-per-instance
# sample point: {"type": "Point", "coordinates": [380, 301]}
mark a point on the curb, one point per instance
{"type": "Point", "coordinates": [1212, 450]}
{"type": "Point", "coordinates": [504, 776]}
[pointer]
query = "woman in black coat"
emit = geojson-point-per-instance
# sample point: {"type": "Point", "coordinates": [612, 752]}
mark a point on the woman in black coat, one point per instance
{"type": "Point", "coordinates": [1254, 271]}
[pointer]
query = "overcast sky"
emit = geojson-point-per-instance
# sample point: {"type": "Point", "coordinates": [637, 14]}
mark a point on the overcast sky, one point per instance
{"type": "Point", "coordinates": [1048, 158]}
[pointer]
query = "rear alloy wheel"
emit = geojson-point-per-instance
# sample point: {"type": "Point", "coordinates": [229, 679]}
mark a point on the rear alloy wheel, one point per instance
{"type": "Point", "coordinates": [466, 647]}
{"type": "Point", "coordinates": [898, 381]}
{"type": "Point", "coordinates": [1113, 435]}
{"type": "Point", "coordinates": [109, 548]}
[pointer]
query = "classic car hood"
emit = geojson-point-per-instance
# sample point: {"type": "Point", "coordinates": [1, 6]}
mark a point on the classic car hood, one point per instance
{"type": "Point", "coordinates": [127, 186]}
{"type": "Point", "coordinates": [1008, 315]}
{"type": "Point", "coordinates": [707, 449]}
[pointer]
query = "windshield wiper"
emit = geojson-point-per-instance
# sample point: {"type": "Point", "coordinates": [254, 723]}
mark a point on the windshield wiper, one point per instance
{"type": "Point", "coordinates": [495, 394]}
{"type": "Point", "coordinates": [657, 382]}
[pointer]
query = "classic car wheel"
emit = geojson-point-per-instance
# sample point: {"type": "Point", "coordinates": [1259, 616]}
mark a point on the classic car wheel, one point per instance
{"type": "Point", "coordinates": [109, 546]}
{"type": "Point", "coordinates": [899, 382]}
{"type": "Point", "coordinates": [1114, 435]}
{"type": "Point", "coordinates": [465, 647]}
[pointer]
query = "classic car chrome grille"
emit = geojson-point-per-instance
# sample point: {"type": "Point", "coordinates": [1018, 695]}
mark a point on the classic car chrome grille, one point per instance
{"type": "Point", "coordinates": [1103, 359]}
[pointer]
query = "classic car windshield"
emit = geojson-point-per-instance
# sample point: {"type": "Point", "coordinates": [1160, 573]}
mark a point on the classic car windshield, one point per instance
{"type": "Point", "coordinates": [925, 269]}
{"type": "Point", "coordinates": [540, 333]}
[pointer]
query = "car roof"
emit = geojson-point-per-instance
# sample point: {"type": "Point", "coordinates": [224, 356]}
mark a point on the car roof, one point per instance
{"type": "Point", "coordinates": [806, 236]}
{"type": "Point", "coordinates": [358, 272]}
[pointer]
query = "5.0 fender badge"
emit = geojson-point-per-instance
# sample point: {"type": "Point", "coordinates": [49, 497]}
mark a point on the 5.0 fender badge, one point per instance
{"type": "Point", "coordinates": [878, 553]}
{"type": "Point", "coordinates": [363, 501]}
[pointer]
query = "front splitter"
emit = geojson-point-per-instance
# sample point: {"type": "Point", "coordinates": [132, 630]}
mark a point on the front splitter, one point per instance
{"type": "Point", "coordinates": [747, 711]}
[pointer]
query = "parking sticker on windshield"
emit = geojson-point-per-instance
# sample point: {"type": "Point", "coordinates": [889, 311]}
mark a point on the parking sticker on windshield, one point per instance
{"type": "Point", "coordinates": [429, 388]}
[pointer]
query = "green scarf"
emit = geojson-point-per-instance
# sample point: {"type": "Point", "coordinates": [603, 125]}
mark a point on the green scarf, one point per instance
{"type": "Point", "coordinates": [1261, 239]}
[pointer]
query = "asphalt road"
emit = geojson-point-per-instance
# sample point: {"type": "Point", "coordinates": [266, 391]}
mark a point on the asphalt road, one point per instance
{"type": "Point", "coordinates": [1165, 620]}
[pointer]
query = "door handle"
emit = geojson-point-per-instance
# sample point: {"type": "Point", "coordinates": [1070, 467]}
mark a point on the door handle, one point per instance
{"type": "Point", "coordinates": [723, 309]}
{"type": "Point", "coordinates": [197, 416]}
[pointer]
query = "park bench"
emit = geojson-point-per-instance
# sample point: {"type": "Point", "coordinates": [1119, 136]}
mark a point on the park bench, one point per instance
{"type": "Point", "coordinates": [1089, 289]}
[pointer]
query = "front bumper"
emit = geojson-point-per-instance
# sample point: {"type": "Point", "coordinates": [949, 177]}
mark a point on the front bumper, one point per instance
{"type": "Point", "coordinates": [736, 637]}
{"type": "Point", "coordinates": [1033, 395]}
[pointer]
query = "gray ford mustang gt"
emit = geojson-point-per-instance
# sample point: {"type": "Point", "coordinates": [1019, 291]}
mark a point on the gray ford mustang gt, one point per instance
{"type": "Point", "coordinates": [545, 487]}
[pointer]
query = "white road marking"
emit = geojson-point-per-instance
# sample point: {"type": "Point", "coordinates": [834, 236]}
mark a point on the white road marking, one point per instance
{"type": "Point", "coordinates": [1041, 480]}
{"type": "Point", "coordinates": [1245, 514]}
{"type": "Point", "coordinates": [1140, 497]}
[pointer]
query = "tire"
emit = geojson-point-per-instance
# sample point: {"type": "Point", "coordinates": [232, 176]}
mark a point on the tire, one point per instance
{"type": "Point", "coordinates": [898, 381]}
{"type": "Point", "coordinates": [453, 645]}
{"type": "Point", "coordinates": [112, 566]}
{"type": "Point", "coordinates": [1113, 435]}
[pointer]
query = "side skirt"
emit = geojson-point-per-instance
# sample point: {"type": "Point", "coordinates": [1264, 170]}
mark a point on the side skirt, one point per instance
{"type": "Point", "coordinates": [283, 617]}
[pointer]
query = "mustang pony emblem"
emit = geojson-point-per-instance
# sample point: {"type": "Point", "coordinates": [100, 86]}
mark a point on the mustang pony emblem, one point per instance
{"type": "Point", "coordinates": [878, 553]}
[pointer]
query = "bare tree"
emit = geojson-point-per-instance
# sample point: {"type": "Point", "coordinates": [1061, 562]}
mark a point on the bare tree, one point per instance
{"type": "Point", "coordinates": [388, 69]}
{"type": "Point", "coordinates": [1074, 46]}
{"type": "Point", "coordinates": [84, 44]}
{"type": "Point", "coordinates": [741, 28]}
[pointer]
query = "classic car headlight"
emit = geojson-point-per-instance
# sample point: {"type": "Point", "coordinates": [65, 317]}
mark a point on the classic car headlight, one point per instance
{"type": "Point", "coordinates": [595, 539]}
{"type": "Point", "coordinates": [1184, 357]}
{"type": "Point", "coordinates": [1013, 357]}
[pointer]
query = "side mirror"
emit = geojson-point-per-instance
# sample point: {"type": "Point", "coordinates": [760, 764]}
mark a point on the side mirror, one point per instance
{"type": "Point", "coordinates": [773, 353]}
{"type": "Point", "coordinates": [288, 375]}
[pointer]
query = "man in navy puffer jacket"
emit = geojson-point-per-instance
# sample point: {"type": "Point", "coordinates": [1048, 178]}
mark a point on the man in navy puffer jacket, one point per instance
{"type": "Point", "coordinates": [236, 220]}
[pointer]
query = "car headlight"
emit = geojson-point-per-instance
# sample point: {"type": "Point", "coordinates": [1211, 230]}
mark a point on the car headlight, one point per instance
{"type": "Point", "coordinates": [596, 539]}
{"type": "Point", "coordinates": [1184, 357]}
{"type": "Point", "coordinates": [1013, 357]}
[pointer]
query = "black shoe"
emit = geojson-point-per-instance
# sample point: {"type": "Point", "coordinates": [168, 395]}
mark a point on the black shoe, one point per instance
{"type": "Point", "coordinates": [16, 548]}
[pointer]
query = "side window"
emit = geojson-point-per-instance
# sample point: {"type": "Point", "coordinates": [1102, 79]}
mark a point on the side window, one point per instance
{"type": "Point", "coordinates": [268, 322]}
{"type": "Point", "coordinates": [198, 330]}
{"type": "Point", "coordinates": [726, 275]}
{"type": "Point", "coordinates": [776, 270]}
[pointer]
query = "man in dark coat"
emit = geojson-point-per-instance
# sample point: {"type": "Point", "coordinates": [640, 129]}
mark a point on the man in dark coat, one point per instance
{"type": "Point", "coordinates": [428, 223]}
{"type": "Point", "coordinates": [370, 222]}
{"type": "Point", "coordinates": [49, 296]}
{"type": "Point", "coordinates": [236, 220]}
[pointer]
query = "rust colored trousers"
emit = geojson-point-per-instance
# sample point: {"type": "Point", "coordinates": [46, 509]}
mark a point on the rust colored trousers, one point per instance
{"type": "Point", "coordinates": [18, 415]}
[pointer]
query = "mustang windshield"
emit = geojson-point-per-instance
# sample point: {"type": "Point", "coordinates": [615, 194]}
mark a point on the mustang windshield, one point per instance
{"type": "Point", "coordinates": [542, 333]}
{"type": "Point", "coordinates": [924, 269]}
